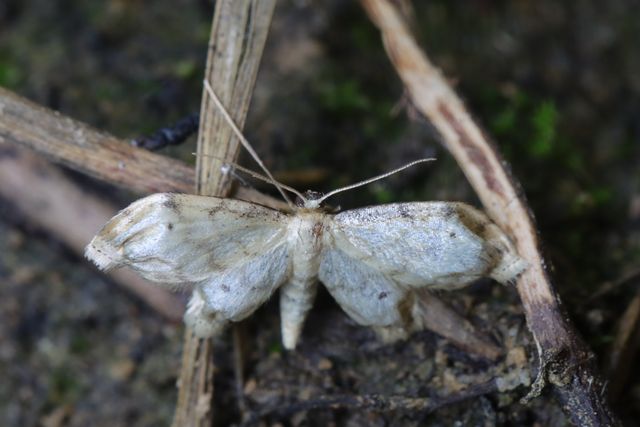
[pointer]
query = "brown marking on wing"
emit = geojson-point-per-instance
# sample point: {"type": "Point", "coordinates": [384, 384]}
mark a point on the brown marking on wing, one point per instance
{"type": "Point", "coordinates": [473, 220]}
{"type": "Point", "coordinates": [213, 211]}
{"type": "Point", "coordinates": [317, 230]}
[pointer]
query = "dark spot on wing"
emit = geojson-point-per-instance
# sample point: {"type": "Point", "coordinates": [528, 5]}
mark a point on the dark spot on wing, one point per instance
{"type": "Point", "coordinates": [452, 234]}
{"type": "Point", "coordinates": [170, 226]}
{"type": "Point", "coordinates": [171, 203]}
{"type": "Point", "coordinates": [225, 287]}
{"type": "Point", "coordinates": [449, 211]}
{"type": "Point", "coordinates": [403, 211]}
{"type": "Point", "coordinates": [382, 295]}
{"type": "Point", "coordinates": [252, 213]}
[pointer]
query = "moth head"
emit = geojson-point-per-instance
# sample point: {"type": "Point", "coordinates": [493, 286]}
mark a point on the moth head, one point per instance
{"type": "Point", "coordinates": [313, 200]}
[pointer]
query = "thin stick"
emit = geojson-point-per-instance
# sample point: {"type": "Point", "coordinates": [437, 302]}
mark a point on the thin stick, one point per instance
{"type": "Point", "coordinates": [238, 35]}
{"type": "Point", "coordinates": [576, 381]}
{"type": "Point", "coordinates": [375, 402]}
{"type": "Point", "coordinates": [87, 150]}
{"type": "Point", "coordinates": [77, 145]}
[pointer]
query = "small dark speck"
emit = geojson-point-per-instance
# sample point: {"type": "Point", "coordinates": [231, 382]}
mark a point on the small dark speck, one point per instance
{"type": "Point", "coordinates": [170, 226]}
{"type": "Point", "coordinates": [225, 288]}
{"type": "Point", "coordinates": [382, 295]}
{"type": "Point", "coordinates": [452, 235]}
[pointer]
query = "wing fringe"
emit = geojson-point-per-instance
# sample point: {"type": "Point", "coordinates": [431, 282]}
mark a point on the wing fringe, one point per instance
{"type": "Point", "coordinates": [102, 254]}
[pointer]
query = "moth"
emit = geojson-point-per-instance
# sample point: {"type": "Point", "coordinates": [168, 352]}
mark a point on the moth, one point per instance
{"type": "Point", "coordinates": [235, 254]}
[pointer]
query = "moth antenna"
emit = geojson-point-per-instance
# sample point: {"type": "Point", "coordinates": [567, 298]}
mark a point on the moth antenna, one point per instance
{"type": "Point", "coordinates": [228, 165]}
{"type": "Point", "coordinates": [370, 180]}
{"type": "Point", "coordinates": [244, 141]}
{"type": "Point", "coordinates": [266, 179]}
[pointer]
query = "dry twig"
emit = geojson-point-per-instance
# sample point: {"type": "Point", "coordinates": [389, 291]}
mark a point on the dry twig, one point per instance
{"type": "Point", "coordinates": [74, 144]}
{"type": "Point", "coordinates": [238, 35]}
{"type": "Point", "coordinates": [624, 350]}
{"type": "Point", "coordinates": [375, 402]}
{"type": "Point", "coordinates": [565, 360]}
{"type": "Point", "coordinates": [98, 154]}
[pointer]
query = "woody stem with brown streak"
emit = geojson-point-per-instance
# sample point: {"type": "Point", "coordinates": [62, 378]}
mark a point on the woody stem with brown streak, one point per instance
{"type": "Point", "coordinates": [566, 363]}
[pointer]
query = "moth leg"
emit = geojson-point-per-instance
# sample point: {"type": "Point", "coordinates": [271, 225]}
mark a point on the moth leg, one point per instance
{"type": "Point", "coordinates": [391, 334]}
{"type": "Point", "coordinates": [296, 299]}
{"type": "Point", "coordinates": [204, 322]}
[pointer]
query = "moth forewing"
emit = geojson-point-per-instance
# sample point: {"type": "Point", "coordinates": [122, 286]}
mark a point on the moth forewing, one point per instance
{"type": "Point", "coordinates": [426, 244]}
{"type": "Point", "coordinates": [185, 239]}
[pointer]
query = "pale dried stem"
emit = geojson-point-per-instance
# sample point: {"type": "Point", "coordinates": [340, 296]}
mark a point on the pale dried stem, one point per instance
{"type": "Point", "coordinates": [566, 362]}
{"type": "Point", "coordinates": [99, 154]}
{"type": "Point", "coordinates": [79, 146]}
{"type": "Point", "coordinates": [238, 35]}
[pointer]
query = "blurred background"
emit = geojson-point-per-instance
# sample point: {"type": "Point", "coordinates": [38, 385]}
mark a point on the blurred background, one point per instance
{"type": "Point", "coordinates": [555, 83]}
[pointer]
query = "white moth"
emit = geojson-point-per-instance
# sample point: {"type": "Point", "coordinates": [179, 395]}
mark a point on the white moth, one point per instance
{"type": "Point", "coordinates": [236, 254]}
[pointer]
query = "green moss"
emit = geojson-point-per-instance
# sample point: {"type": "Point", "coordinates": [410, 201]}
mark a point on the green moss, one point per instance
{"type": "Point", "coordinates": [10, 75]}
{"type": "Point", "coordinates": [544, 122]}
{"type": "Point", "coordinates": [80, 345]}
{"type": "Point", "coordinates": [276, 347]}
{"type": "Point", "coordinates": [382, 194]}
{"type": "Point", "coordinates": [342, 97]}
{"type": "Point", "coordinates": [64, 385]}
{"type": "Point", "coordinates": [186, 69]}
{"type": "Point", "coordinates": [519, 119]}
